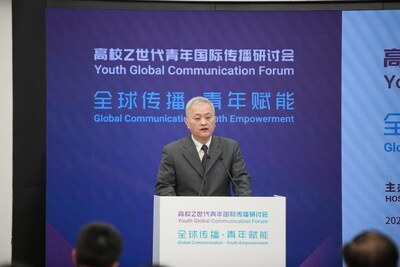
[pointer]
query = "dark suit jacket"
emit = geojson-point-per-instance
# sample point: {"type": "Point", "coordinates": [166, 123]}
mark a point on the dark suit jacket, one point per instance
{"type": "Point", "coordinates": [181, 173]}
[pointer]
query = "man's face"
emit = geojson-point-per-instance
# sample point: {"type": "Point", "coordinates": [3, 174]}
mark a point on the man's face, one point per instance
{"type": "Point", "coordinates": [201, 121]}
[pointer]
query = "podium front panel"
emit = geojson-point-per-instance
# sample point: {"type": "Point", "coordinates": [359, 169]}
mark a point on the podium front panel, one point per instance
{"type": "Point", "coordinates": [219, 231]}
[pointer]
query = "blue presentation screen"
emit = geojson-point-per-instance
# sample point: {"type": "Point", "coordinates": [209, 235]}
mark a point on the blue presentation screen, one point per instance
{"type": "Point", "coordinates": [117, 85]}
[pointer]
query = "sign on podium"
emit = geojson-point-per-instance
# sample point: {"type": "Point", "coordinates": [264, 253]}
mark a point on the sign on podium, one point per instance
{"type": "Point", "coordinates": [219, 231]}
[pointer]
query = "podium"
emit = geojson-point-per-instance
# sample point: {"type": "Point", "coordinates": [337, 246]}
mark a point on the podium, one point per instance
{"type": "Point", "coordinates": [219, 231]}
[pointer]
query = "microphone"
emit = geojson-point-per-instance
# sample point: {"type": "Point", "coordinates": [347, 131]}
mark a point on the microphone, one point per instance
{"type": "Point", "coordinates": [204, 175]}
{"type": "Point", "coordinates": [230, 176]}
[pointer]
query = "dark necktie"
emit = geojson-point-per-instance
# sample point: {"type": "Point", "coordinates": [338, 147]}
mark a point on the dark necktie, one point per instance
{"type": "Point", "coordinates": [205, 156]}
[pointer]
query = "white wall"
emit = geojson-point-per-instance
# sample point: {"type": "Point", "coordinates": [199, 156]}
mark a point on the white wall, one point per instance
{"type": "Point", "coordinates": [5, 130]}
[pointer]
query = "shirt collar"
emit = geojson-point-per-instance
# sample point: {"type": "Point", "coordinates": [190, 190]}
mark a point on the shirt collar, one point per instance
{"type": "Point", "coordinates": [199, 145]}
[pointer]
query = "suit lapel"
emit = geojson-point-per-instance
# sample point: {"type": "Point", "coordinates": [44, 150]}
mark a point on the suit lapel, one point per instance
{"type": "Point", "coordinates": [214, 152]}
{"type": "Point", "coordinates": [190, 153]}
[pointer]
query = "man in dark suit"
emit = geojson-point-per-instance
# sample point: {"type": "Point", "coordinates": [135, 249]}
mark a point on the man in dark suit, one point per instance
{"type": "Point", "coordinates": [202, 164]}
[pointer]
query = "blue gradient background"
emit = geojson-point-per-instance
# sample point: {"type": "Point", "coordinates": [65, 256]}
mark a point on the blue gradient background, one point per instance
{"type": "Point", "coordinates": [366, 101]}
{"type": "Point", "coordinates": [108, 171]}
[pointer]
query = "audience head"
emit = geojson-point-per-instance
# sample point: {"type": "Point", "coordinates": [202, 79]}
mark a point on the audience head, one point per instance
{"type": "Point", "coordinates": [98, 245]}
{"type": "Point", "coordinates": [371, 249]}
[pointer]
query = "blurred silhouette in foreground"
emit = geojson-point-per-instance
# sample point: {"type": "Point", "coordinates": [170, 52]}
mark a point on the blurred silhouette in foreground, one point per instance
{"type": "Point", "coordinates": [371, 249]}
{"type": "Point", "coordinates": [98, 245]}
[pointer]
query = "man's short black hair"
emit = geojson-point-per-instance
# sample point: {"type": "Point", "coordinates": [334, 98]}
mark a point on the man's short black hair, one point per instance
{"type": "Point", "coordinates": [99, 244]}
{"type": "Point", "coordinates": [371, 249]}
